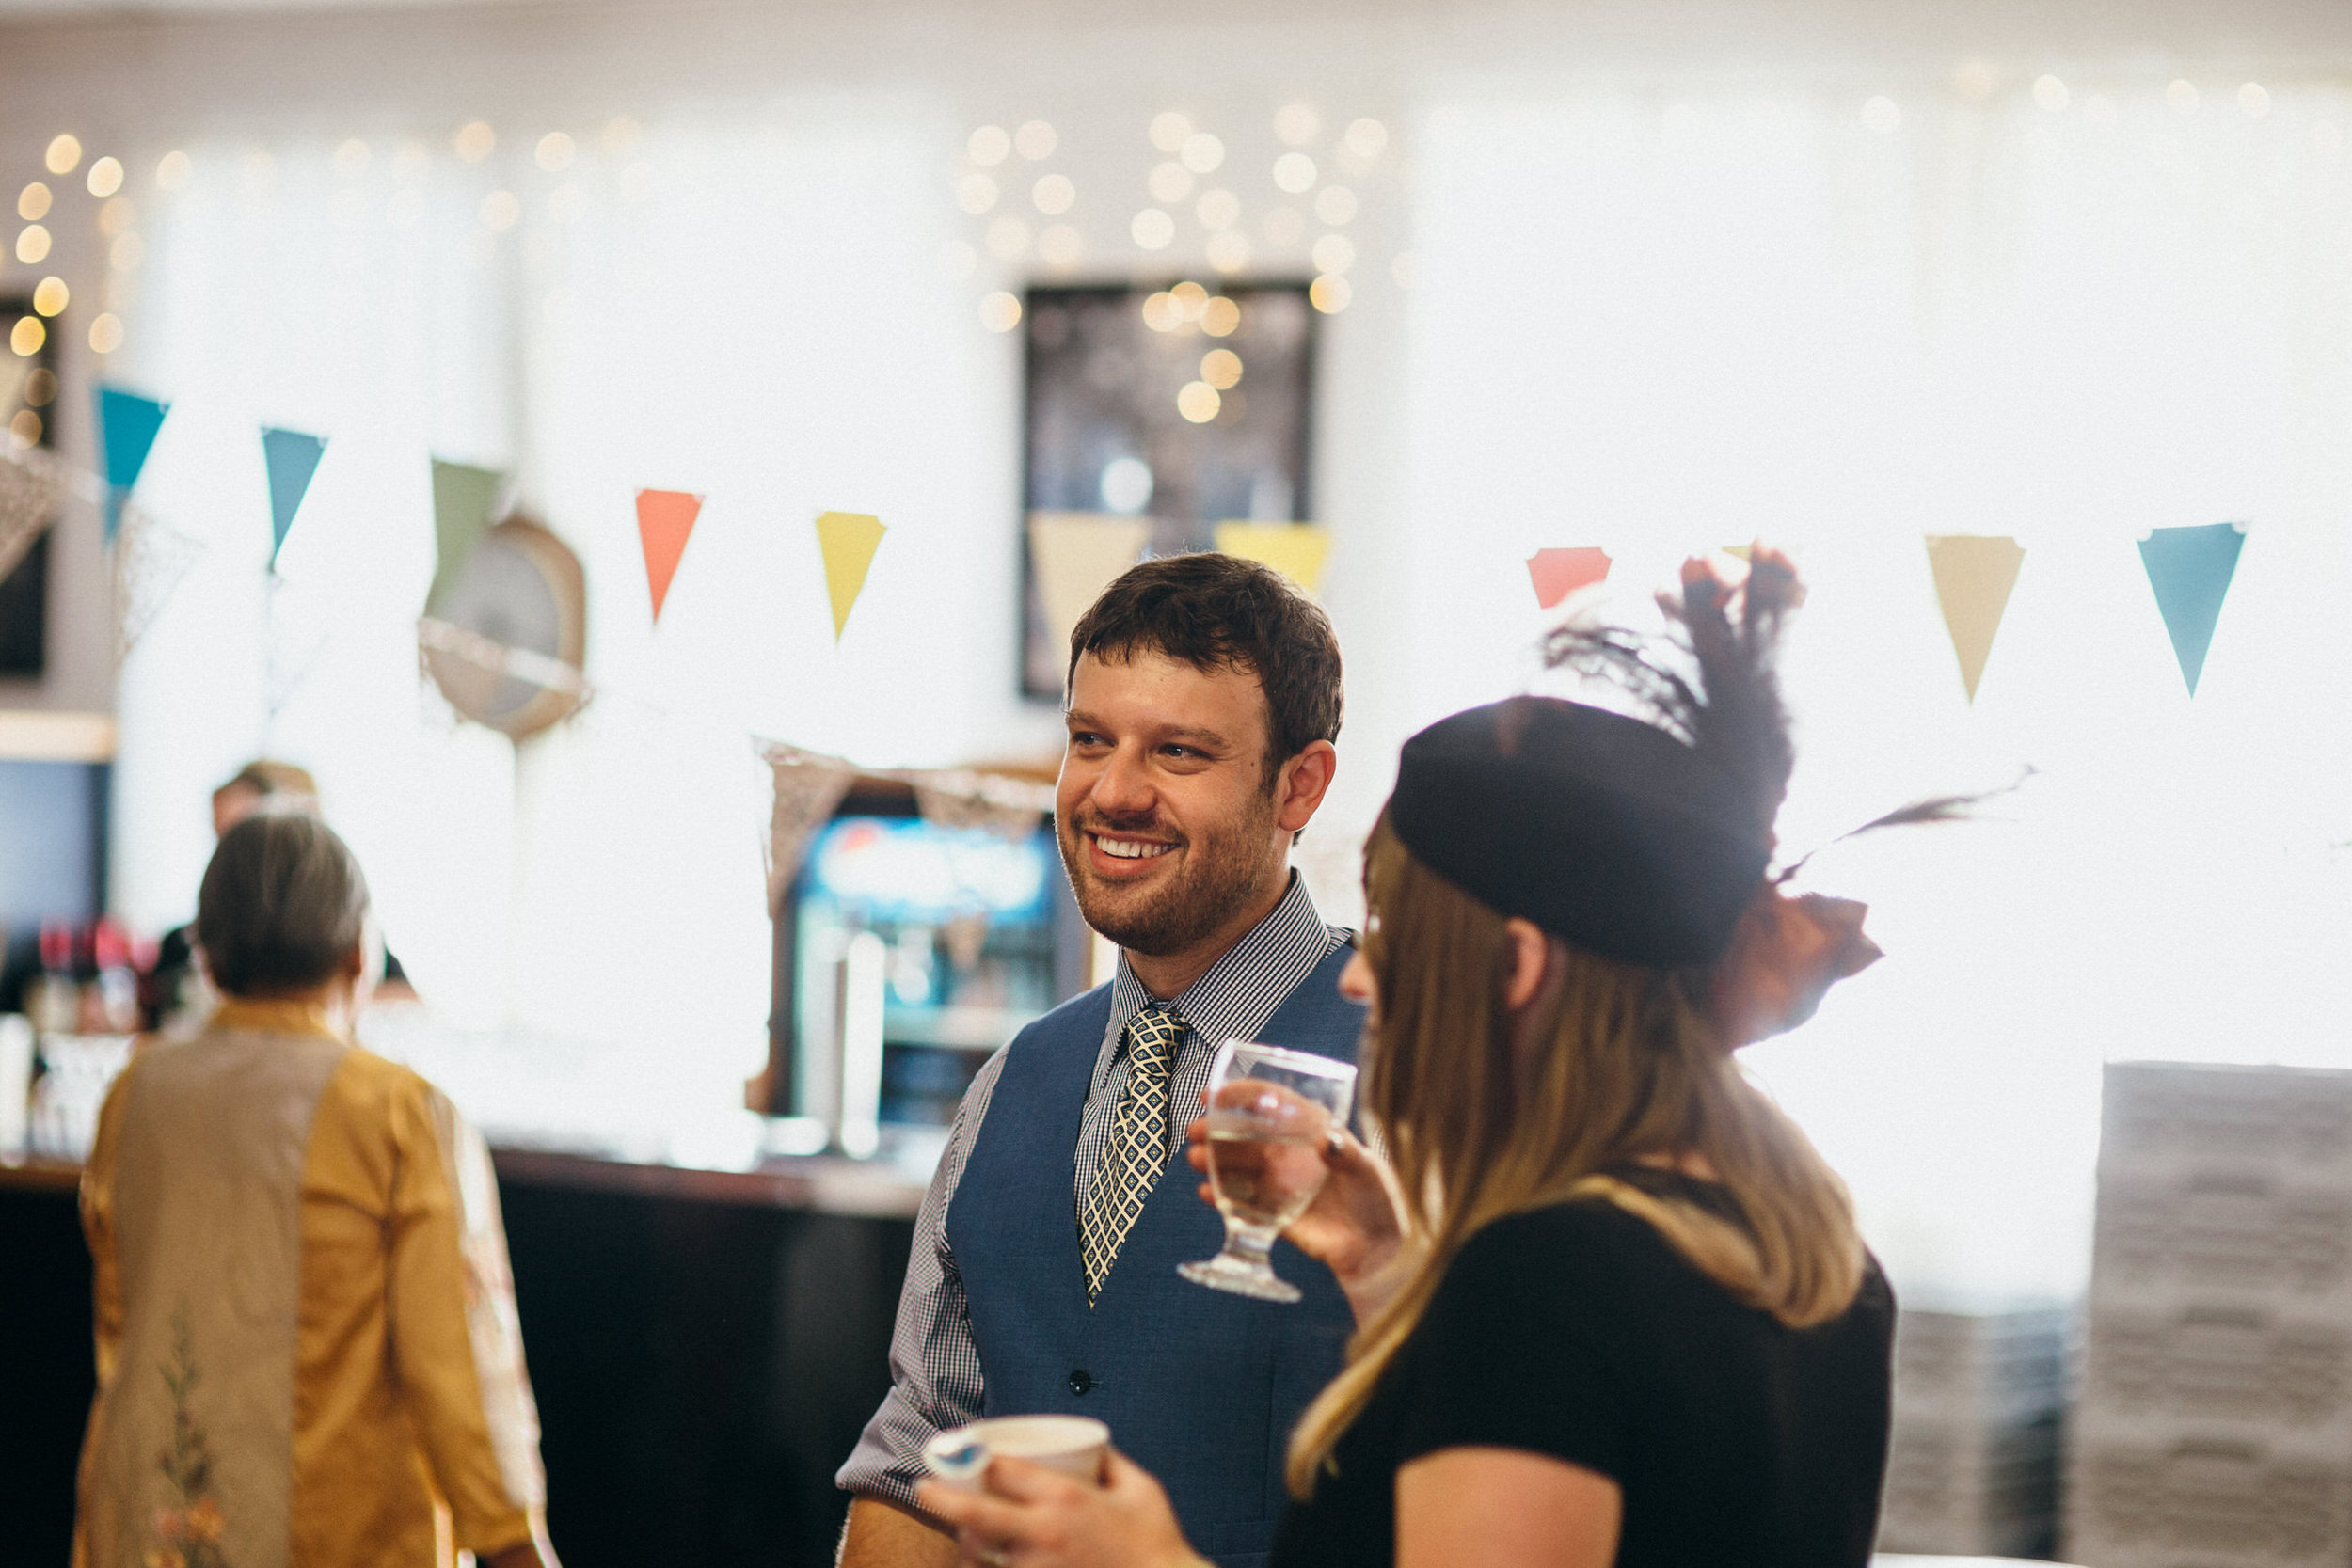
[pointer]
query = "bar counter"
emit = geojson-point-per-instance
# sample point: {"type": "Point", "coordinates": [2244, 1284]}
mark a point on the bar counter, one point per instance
{"type": "Point", "coordinates": [705, 1345]}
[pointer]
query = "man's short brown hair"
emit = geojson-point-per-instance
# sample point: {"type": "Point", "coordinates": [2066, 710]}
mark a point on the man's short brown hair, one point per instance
{"type": "Point", "coordinates": [1216, 612]}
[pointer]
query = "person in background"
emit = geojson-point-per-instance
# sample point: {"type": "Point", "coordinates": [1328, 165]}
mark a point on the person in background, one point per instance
{"type": "Point", "coordinates": [306, 1330]}
{"type": "Point", "coordinates": [1614, 1306]}
{"type": "Point", "coordinates": [260, 786]}
{"type": "Point", "coordinates": [1204, 693]}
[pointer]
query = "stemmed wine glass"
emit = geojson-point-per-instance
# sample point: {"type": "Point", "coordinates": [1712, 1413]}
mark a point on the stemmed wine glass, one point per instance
{"type": "Point", "coordinates": [1270, 1112]}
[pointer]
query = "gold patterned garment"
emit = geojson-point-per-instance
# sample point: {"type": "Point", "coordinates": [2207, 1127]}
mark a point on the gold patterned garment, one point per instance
{"type": "Point", "coordinates": [306, 1340]}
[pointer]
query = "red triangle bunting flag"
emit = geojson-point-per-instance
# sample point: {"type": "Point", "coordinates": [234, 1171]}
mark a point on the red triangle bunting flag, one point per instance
{"type": "Point", "coordinates": [1557, 573]}
{"type": "Point", "coordinates": [664, 518]}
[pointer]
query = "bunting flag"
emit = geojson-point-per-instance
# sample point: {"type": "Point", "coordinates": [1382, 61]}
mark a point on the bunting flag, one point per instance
{"type": "Point", "coordinates": [293, 458]}
{"type": "Point", "coordinates": [127, 424]}
{"type": "Point", "coordinates": [463, 499]}
{"type": "Point", "coordinates": [2190, 569]}
{"type": "Point", "coordinates": [150, 558]}
{"type": "Point", "coordinates": [664, 518]}
{"type": "Point", "coordinates": [33, 485]}
{"type": "Point", "coordinates": [804, 787]}
{"type": "Point", "coordinates": [1074, 556]}
{"type": "Point", "coordinates": [1557, 573]}
{"type": "Point", "coordinates": [848, 540]}
{"type": "Point", "coordinates": [1294, 549]}
{"type": "Point", "coordinates": [1974, 574]}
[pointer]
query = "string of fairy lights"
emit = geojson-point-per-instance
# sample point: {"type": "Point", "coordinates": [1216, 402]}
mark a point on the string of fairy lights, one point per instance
{"type": "Point", "coordinates": [1208, 199]}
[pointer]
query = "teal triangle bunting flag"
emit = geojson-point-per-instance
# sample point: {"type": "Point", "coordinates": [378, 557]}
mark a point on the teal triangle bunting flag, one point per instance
{"type": "Point", "coordinates": [292, 458]}
{"type": "Point", "coordinates": [127, 424]}
{"type": "Point", "coordinates": [2190, 569]}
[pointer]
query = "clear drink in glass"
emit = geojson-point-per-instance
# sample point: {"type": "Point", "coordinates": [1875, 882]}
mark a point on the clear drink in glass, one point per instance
{"type": "Point", "coordinates": [1270, 1112]}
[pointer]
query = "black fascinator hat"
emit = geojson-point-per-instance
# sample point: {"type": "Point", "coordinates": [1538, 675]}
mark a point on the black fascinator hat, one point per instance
{"type": "Point", "coordinates": [1643, 839]}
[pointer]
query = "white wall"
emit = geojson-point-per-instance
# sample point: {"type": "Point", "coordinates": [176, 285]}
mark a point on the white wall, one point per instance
{"type": "Point", "coordinates": [1671, 294]}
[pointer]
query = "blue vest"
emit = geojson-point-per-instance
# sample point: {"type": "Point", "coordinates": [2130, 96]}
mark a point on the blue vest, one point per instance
{"type": "Point", "coordinates": [1198, 1386]}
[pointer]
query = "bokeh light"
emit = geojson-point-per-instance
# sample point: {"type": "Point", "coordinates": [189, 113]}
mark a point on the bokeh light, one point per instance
{"type": "Point", "coordinates": [1000, 311]}
{"type": "Point", "coordinates": [1333, 253]}
{"type": "Point", "coordinates": [988, 146]}
{"type": "Point", "coordinates": [1153, 229]}
{"type": "Point", "coordinates": [25, 429]}
{"type": "Point", "coordinates": [1170, 181]}
{"type": "Point", "coordinates": [1329, 293]}
{"type": "Point", "coordinates": [474, 141]}
{"type": "Point", "coordinates": [1053, 195]}
{"type": "Point", "coordinates": [1335, 205]}
{"type": "Point", "coordinates": [1297, 124]}
{"type": "Point", "coordinates": [1220, 317]}
{"type": "Point", "coordinates": [32, 245]}
{"type": "Point", "coordinates": [1034, 140]}
{"type": "Point", "coordinates": [1365, 138]}
{"type": "Point", "coordinates": [64, 155]}
{"type": "Point", "coordinates": [105, 177]}
{"type": "Point", "coordinates": [27, 335]}
{"type": "Point", "coordinates": [1168, 130]}
{"type": "Point", "coordinates": [172, 170]}
{"type": "Point", "coordinates": [1228, 250]}
{"type": "Point", "coordinates": [975, 194]}
{"type": "Point", "coordinates": [1201, 153]}
{"type": "Point", "coordinates": [105, 333]}
{"type": "Point", "coordinates": [1294, 173]}
{"type": "Point", "coordinates": [555, 151]}
{"type": "Point", "coordinates": [41, 388]}
{"type": "Point", "coordinates": [1190, 298]}
{"type": "Point", "coordinates": [1221, 368]}
{"type": "Point", "coordinates": [51, 296]}
{"type": "Point", "coordinates": [1218, 209]}
{"type": "Point", "coordinates": [32, 202]}
{"type": "Point", "coordinates": [1199, 401]}
{"type": "Point", "coordinates": [1161, 313]}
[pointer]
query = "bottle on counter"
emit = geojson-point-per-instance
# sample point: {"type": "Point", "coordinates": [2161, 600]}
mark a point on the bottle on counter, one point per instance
{"type": "Point", "coordinates": [52, 998]}
{"type": "Point", "coordinates": [110, 1002]}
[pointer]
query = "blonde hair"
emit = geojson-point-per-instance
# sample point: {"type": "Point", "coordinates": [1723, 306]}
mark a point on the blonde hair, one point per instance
{"type": "Point", "coordinates": [1617, 1064]}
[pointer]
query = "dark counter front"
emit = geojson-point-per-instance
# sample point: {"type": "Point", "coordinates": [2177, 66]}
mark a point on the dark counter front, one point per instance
{"type": "Point", "coordinates": [706, 1346]}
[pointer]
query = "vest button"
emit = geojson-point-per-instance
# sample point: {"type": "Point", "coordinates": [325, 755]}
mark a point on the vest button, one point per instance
{"type": "Point", "coordinates": [1080, 1381]}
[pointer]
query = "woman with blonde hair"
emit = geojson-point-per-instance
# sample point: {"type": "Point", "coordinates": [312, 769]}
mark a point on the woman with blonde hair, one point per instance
{"type": "Point", "coordinates": [1613, 1307]}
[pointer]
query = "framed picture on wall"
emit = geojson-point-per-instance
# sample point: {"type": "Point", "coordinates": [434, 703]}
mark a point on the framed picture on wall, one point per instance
{"type": "Point", "coordinates": [28, 408]}
{"type": "Point", "coordinates": [1153, 415]}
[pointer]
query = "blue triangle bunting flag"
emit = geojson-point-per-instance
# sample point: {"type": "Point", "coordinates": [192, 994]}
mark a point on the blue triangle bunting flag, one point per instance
{"type": "Point", "coordinates": [292, 458]}
{"type": "Point", "coordinates": [127, 424]}
{"type": "Point", "coordinates": [2190, 569]}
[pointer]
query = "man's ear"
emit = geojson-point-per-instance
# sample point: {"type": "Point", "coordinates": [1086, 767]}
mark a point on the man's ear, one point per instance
{"type": "Point", "coordinates": [1299, 787]}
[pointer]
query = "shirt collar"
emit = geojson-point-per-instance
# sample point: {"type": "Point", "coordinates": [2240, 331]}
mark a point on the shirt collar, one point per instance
{"type": "Point", "coordinates": [272, 1016]}
{"type": "Point", "coordinates": [1239, 991]}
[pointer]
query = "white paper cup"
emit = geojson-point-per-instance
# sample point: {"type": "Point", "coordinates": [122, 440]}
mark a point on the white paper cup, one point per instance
{"type": "Point", "coordinates": [1075, 1445]}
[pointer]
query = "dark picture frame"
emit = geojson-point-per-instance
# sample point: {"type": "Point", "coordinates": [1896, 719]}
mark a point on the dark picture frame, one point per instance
{"type": "Point", "coordinates": [1104, 370]}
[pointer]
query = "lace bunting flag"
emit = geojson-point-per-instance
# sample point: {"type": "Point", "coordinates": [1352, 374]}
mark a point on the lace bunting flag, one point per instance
{"type": "Point", "coordinates": [150, 558]}
{"type": "Point", "coordinates": [807, 786]}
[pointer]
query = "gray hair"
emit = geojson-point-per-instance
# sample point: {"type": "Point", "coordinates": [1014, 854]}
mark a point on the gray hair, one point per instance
{"type": "Point", "coordinates": [282, 905]}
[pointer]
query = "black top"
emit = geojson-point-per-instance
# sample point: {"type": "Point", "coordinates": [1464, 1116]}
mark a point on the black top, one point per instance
{"type": "Point", "coordinates": [1577, 1331]}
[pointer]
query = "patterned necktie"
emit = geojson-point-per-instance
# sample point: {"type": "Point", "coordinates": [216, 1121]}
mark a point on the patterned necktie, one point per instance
{"type": "Point", "coordinates": [1138, 1146]}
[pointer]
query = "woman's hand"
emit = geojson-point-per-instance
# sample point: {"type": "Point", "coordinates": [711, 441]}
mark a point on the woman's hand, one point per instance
{"type": "Point", "coordinates": [1354, 1227]}
{"type": "Point", "coordinates": [1033, 1517]}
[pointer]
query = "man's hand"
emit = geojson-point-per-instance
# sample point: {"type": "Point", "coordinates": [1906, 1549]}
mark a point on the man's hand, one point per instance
{"type": "Point", "coordinates": [882, 1534]}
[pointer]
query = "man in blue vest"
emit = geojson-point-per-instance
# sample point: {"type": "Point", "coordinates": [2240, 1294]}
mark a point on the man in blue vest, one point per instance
{"type": "Point", "coordinates": [1203, 696]}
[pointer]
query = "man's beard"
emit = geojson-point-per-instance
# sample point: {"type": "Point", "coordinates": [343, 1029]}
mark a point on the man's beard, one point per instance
{"type": "Point", "coordinates": [1221, 870]}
